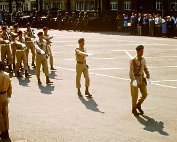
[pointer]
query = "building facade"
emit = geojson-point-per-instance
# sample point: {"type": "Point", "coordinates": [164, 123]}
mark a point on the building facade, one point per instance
{"type": "Point", "coordinates": [163, 7]}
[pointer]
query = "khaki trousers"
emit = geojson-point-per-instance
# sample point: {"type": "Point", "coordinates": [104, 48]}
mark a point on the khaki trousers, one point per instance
{"type": "Point", "coordinates": [4, 119]}
{"type": "Point", "coordinates": [134, 91]}
{"type": "Point", "coordinates": [82, 68]}
{"type": "Point", "coordinates": [30, 46]}
{"type": "Point", "coordinates": [50, 55]}
{"type": "Point", "coordinates": [6, 51]}
{"type": "Point", "coordinates": [21, 56]}
{"type": "Point", "coordinates": [41, 60]}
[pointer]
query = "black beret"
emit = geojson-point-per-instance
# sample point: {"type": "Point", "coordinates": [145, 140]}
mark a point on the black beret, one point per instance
{"type": "Point", "coordinates": [139, 47]}
{"type": "Point", "coordinates": [80, 40]}
{"type": "Point", "coordinates": [45, 28]}
{"type": "Point", "coordinates": [40, 33]}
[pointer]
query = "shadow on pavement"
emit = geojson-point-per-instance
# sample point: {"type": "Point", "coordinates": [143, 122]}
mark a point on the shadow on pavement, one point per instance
{"type": "Point", "coordinates": [152, 125]}
{"type": "Point", "coordinates": [46, 89]}
{"type": "Point", "coordinates": [53, 75]}
{"type": "Point", "coordinates": [23, 81]}
{"type": "Point", "coordinates": [90, 104]}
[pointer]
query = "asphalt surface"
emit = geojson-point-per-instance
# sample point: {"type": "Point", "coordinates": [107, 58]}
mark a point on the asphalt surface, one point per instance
{"type": "Point", "coordinates": [55, 114]}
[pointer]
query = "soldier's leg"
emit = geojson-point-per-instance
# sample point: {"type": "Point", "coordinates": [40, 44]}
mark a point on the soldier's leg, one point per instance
{"type": "Point", "coordinates": [38, 65]}
{"type": "Point", "coordinates": [3, 53]}
{"type": "Point", "coordinates": [50, 57]}
{"type": "Point", "coordinates": [143, 90]}
{"type": "Point", "coordinates": [32, 47]}
{"type": "Point", "coordinates": [24, 59]}
{"type": "Point", "coordinates": [46, 70]}
{"type": "Point", "coordinates": [134, 94]}
{"type": "Point", "coordinates": [18, 56]}
{"type": "Point", "coordinates": [9, 58]}
{"type": "Point", "coordinates": [5, 115]}
{"type": "Point", "coordinates": [79, 70]}
{"type": "Point", "coordinates": [87, 81]}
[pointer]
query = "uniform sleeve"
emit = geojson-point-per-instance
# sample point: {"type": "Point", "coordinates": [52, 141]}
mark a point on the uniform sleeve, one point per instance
{"type": "Point", "coordinates": [131, 72]}
{"type": "Point", "coordinates": [84, 54]}
{"type": "Point", "coordinates": [9, 89]}
{"type": "Point", "coordinates": [146, 70]}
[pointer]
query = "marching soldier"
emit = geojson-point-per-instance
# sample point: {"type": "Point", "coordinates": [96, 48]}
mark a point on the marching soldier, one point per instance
{"type": "Point", "coordinates": [47, 37]}
{"type": "Point", "coordinates": [85, 21]}
{"type": "Point", "coordinates": [41, 58]}
{"type": "Point", "coordinates": [137, 69]}
{"type": "Point", "coordinates": [5, 93]}
{"type": "Point", "coordinates": [5, 48]}
{"type": "Point", "coordinates": [82, 67]}
{"type": "Point", "coordinates": [21, 54]}
{"type": "Point", "coordinates": [30, 45]}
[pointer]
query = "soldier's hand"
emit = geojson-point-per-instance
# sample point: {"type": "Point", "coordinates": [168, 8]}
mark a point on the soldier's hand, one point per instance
{"type": "Point", "coordinates": [149, 81]}
{"type": "Point", "coordinates": [134, 83]}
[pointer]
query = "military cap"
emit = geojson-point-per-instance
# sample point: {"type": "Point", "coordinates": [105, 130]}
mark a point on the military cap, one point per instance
{"type": "Point", "coordinates": [80, 40]}
{"type": "Point", "coordinates": [40, 33]}
{"type": "Point", "coordinates": [139, 47]}
{"type": "Point", "coordinates": [4, 28]}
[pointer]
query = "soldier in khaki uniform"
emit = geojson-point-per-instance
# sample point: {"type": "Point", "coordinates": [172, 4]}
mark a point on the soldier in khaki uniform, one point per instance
{"type": "Point", "coordinates": [30, 45]}
{"type": "Point", "coordinates": [41, 58]}
{"type": "Point", "coordinates": [137, 69]}
{"type": "Point", "coordinates": [5, 93]}
{"type": "Point", "coordinates": [82, 67]}
{"type": "Point", "coordinates": [21, 54]}
{"type": "Point", "coordinates": [47, 37]}
{"type": "Point", "coordinates": [5, 48]}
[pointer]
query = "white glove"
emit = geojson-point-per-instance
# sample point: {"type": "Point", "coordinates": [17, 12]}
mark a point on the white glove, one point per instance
{"type": "Point", "coordinates": [149, 81]}
{"type": "Point", "coordinates": [89, 54]}
{"type": "Point", "coordinates": [8, 100]}
{"type": "Point", "coordinates": [134, 83]}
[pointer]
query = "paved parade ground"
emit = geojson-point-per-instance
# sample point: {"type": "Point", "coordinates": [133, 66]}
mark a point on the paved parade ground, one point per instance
{"type": "Point", "coordinates": [55, 114]}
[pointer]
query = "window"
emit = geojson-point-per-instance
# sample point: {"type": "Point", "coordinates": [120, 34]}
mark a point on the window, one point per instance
{"type": "Point", "coordinates": [173, 5]}
{"type": "Point", "coordinates": [59, 5]}
{"type": "Point", "coordinates": [79, 6]}
{"type": "Point", "coordinates": [127, 5]}
{"type": "Point", "coordinates": [158, 5]}
{"type": "Point", "coordinates": [113, 6]}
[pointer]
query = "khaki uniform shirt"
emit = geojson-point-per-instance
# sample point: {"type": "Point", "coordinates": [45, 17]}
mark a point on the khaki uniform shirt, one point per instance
{"type": "Point", "coordinates": [5, 83]}
{"type": "Point", "coordinates": [80, 57]}
{"type": "Point", "coordinates": [138, 67]}
{"type": "Point", "coordinates": [42, 46]}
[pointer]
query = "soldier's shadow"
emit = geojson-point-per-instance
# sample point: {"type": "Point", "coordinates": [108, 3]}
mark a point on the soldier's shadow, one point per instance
{"type": "Point", "coordinates": [48, 89]}
{"type": "Point", "coordinates": [152, 125]}
{"type": "Point", "coordinates": [23, 81]}
{"type": "Point", "coordinates": [90, 104]}
{"type": "Point", "coordinates": [53, 75]}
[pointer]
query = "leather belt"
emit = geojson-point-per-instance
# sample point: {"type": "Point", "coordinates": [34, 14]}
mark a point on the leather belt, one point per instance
{"type": "Point", "coordinates": [81, 62]}
{"type": "Point", "coordinates": [2, 93]}
{"type": "Point", "coordinates": [138, 74]}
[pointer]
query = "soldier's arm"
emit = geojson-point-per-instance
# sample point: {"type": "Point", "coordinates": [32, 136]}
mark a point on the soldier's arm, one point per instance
{"type": "Point", "coordinates": [9, 90]}
{"type": "Point", "coordinates": [131, 72]}
{"type": "Point", "coordinates": [146, 70]}
{"type": "Point", "coordinates": [81, 53]}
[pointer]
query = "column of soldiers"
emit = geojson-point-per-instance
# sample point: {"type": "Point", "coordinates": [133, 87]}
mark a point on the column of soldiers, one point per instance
{"type": "Point", "coordinates": [15, 47]}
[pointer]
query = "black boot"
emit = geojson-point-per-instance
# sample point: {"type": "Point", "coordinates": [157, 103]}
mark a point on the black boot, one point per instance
{"type": "Point", "coordinates": [39, 81]}
{"type": "Point", "coordinates": [18, 74]}
{"type": "Point", "coordinates": [79, 93]}
{"type": "Point", "coordinates": [138, 106]}
{"type": "Point", "coordinates": [5, 135]}
{"type": "Point", "coordinates": [48, 80]}
{"type": "Point", "coordinates": [33, 64]}
{"type": "Point", "coordinates": [87, 93]}
{"type": "Point", "coordinates": [27, 74]}
{"type": "Point", "coordinates": [134, 111]}
{"type": "Point", "coordinates": [52, 68]}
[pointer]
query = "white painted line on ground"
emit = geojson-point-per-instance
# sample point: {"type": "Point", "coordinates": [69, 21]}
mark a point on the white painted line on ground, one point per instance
{"type": "Point", "coordinates": [165, 81]}
{"type": "Point", "coordinates": [128, 54]}
{"type": "Point", "coordinates": [119, 78]}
